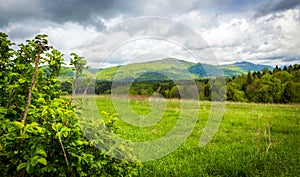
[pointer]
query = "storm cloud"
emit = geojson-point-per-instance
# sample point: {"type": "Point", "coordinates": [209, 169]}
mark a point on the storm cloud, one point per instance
{"type": "Point", "coordinates": [271, 6]}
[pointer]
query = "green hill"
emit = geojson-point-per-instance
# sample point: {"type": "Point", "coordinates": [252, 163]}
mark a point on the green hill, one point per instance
{"type": "Point", "coordinates": [153, 70]}
{"type": "Point", "coordinates": [176, 69]}
{"type": "Point", "coordinates": [204, 70]}
{"type": "Point", "coordinates": [167, 69]}
{"type": "Point", "coordinates": [68, 73]}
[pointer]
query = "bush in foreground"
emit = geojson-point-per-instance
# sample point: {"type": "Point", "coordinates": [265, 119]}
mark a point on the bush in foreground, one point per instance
{"type": "Point", "coordinates": [40, 135]}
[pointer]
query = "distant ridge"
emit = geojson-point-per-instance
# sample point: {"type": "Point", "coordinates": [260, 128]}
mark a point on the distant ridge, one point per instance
{"type": "Point", "coordinates": [248, 66]}
{"type": "Point", "coordinates": [171, 67]}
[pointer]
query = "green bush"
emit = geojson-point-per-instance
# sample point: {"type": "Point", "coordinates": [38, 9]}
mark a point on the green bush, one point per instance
{"type": "Point", "coordinates": [40, 134]}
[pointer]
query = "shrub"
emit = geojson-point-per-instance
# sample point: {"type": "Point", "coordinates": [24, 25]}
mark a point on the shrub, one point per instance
{"type": "Point", "coordinates": [40, 134]}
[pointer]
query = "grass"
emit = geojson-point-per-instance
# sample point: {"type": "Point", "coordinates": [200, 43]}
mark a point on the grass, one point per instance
{"type": "Point", "coordinates": [252, 140]}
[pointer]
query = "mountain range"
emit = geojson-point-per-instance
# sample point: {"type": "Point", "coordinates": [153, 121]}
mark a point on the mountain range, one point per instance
{"type": "Point", "coordinates": [176, 69]}
{"type": "Point", "coordinates": [171, 68]}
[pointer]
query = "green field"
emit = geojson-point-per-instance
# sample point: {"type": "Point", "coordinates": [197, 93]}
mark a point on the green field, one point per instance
{"type": "Point", "coordinates": [252, 140]}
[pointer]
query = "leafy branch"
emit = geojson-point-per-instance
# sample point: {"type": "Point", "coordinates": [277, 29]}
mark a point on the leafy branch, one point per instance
{"type": "Point", "coordinates": [41, 46]}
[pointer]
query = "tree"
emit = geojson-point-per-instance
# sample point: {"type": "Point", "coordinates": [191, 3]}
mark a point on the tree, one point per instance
{"type": "Point", "coordinates": [174, 93]}
{"type": "Point", "coordinates": [39, 45]}
{"type": "Point", "coordinates": [88, 82]}
{"type": "Point", "coordinates": [252, 91]}
{"type": "Point", "coordinates": [266, 71]}
{"type": "Point", "coordinates": [234, 94]}
{"type": "Point", "coordinates": [277, 90]}
{"type": "Point", "coordinates": [200, 86]}
{"type": "Point", "coordinates": [79, 64]}
{"type": "Point", "coordinates": [249, 78]}
{"type": "Point", "coordinates": [230, 91]}
{"type": "Point", "coordinates": [290, 68]}
{"type": "Point", "coordinates": [284, 76]}
{"type": "Point", "coordinates": [259, 74]}
{"type": "Point", "coordinates": [276, 69]}
{"type": "Point", "coordinates": [207, 91]}
{"type": "Point", "coordinates": [288, 93]}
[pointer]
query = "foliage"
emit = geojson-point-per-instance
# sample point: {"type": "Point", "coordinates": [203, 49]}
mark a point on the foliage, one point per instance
{"type": "Point", "coordinates": [279, 86]}
{"type": "Point", "coordinates": [50, 141]}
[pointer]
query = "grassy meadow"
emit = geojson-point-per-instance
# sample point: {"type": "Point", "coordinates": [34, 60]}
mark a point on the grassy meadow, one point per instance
{"type": "Point", "coordinates": [252, 140]}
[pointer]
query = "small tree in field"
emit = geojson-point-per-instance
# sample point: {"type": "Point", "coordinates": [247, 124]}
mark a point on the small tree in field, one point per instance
{"type": "Point", "coordinates": [79, 64]}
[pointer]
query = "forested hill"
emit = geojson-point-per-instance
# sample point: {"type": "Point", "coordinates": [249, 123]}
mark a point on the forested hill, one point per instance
{"type": "Point", "coordinates": [173, 68]}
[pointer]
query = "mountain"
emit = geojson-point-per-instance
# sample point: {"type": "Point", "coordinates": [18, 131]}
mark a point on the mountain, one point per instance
{"type": "Point", "coordinates": [169, 69]}
{"type": "Point", "coordinates": [247, 66]}
{"type": "Point", "coordinates": [68, 73]}
{"type": "Point", "coordinates": [204, 70]}
{"type": "Point", "coordinates": [153, 70]}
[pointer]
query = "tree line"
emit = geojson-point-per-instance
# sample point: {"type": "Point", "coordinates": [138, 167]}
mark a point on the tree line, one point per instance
{"type": "Point", "coordinates": [277, 86]}
{"type": "Point", "coordinates": [282, 85]}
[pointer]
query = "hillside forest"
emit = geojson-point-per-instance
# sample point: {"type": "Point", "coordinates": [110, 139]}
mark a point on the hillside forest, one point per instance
{"type": "Point", "coordinates": [280, 85]}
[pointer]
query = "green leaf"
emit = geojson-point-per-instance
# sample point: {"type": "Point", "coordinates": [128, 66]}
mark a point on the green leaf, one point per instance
{"type": "Point", "coordinates": [41, 100]}
{"type": "Point", "coordinates": [42, 160]}
{"type": "Point", "coordinates": [20, 125]}
{"type": "Point", "coordinates": [64, 131]}
{"type": "Point", "coordinates": [21, 166]}
{"type": "Point", "coordinates": [28, 168]}
{"type": "Point", "coordinates": [104, 162]}
{"type": "Point", "coordinates": [21, 80]}
{"type": "Point", "coordinates": [65, 134]}
{"type": "Point", "coordinates": [53, 125]}
{"type": "Point", "coordinates": [41, 152]}
{"type": "Point", "coordinates": [79, 142]}
{"type": "Point", "coordinates": [26, 157]}
{"type": "Point", "coordinates": [30, 127]}
{"type": "Point", "coordinates": [3, 110]}
{"type": "Point", "coordinates": [59, 125]}
{"type": "Point", "coordinates": [34, 160]}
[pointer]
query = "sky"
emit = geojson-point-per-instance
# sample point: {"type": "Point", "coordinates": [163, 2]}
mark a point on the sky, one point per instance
{"type": "Point", "coordinates": [208, 31]}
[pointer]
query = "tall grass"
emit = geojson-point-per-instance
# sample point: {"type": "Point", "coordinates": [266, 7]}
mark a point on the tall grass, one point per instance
{"type": "Point", "coordinates": [252, 140]}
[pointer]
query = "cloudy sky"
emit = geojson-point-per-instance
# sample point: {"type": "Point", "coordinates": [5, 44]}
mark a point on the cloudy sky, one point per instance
{"type": "Point", "coordinates": [258, 31]}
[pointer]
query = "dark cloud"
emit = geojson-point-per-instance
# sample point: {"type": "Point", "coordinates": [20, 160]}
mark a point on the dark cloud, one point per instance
{"type": "Point", "coordinates": [87, 12]}
{"type": "Point", "coordinates": [286, 4]}
{"type": "Point", "coordinates": [80, 11]}
{"type": "Point", "coordinates": [11, 11]}
{"type": "Point", "coordinates": [281, 57]}
{"type": "Point", "coordinates": [291, 59]}
{"type": "Point", "coordinates": [271, 6]}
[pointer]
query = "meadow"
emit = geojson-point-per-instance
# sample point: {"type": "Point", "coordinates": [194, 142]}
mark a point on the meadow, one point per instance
{"type": "Point", "coordinates": [252, 140]}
